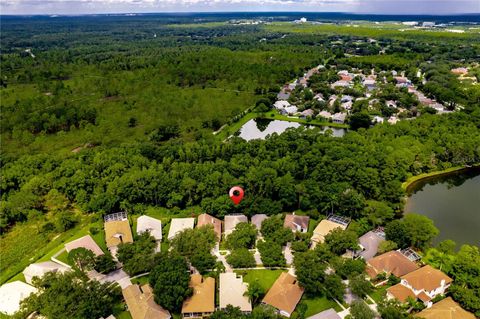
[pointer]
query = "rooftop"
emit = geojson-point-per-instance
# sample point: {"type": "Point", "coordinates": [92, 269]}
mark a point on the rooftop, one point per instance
{"type": "Point", "coordinates": [205, 219]}
{"type": "Point", "coordinates": [445, 309]}
{"type": "Point", "coordinates": [233, 220]}
{"type": "Point", "coordinates": [370, 242]}
{"type": "Point", "coordinates": [40, 269]}
{"type": "Point", "coordinates": [232, 292]}
{"type": "Point", "coordinates": [117, 232]}
{"type": "Point", "coordinates": [327, 314]}
{"type": "Point", "coordinates": [203, 298]}
{"type": "Point", "coordinates": [427, 278]}
{"type": "Point", "coordinates": [391, 262]}
{"type": "Point", "coordinates": [141, 303]}
{"type": "Point", "coordinates": [84, 242]}
{"type": "Point", "coordinates": [178, 225]}
{"type": "Point", "coordinates": [401, 293]}
{"type": "Point", "coordinates": [293, 221]}
{"type": "Point", "coordinates": [150, 224]}
{"type": "Point", "coordinates": [324, 228]}
{"type": "Point", "coordinates": [12, 293]}
{"type": "Point", "coordinates": [258, 219]}
{"type": "Point", "coordinates": [284, 294]}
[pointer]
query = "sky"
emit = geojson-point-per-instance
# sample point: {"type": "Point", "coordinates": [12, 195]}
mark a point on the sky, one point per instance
{"type": "Point", "coordinates": [440, 7]}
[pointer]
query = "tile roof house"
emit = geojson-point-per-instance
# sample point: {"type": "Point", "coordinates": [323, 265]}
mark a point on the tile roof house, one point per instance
{"type": "Point", "coordinates": [117, 231]}
{"type": "Point", "coordinates": [205, 219]}
{"type": "Point", "coordinates": [84, 242]}
{"type": "Point", "coordinates": [296, 222]}
{"type": "Point", "coordinates": [325, 114]}
{"type": "Point", "coordinates": [141, 303]}
{"type": "Point", "coordinates": [339, 118]}
{"type": "Point", "coordinates": [323, 229]}
{"type": "Point", "coordinates": [151, 225]}
{"type": "Point", "coordinates": [12, 293]}
{"type": "Point", "coordinates": [392, 262]}
{"type": "Point", "coordinates": [177, 225]}
{"type": "Point", "coordinates": [307, 113]}
{"type": "Point", "coordinates": [284, 295]}
{"type": "Point", "coordinates": [202, 303]}
{"type": "Point", "coordinates": [369, 243]}
{"type": "Point", "coordinates": [425, 283]}
{"type": "Point", "coordinates": [327, 314]}
{"type": "Point", "coordinates": [232, 292]}
{"type": "Point", "coordinates": [258, 219]}
{"type": "Point", "coordinates": [231, 221]}
{"type": "Point", "coordinates": [280, 105]}
{"type": "Point", "coordinates": [40, 269]}
{"type": "Point", "coordinates": [445, 309]}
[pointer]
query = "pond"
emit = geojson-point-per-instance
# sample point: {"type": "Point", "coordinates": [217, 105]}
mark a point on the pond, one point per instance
{"type": "Point", "coordinates": [453, 202]}
{"type": "Point", "coordinates": [260, 128]}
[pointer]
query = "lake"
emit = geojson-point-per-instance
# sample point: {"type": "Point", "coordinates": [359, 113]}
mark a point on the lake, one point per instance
{"type": "Point", "coordinates": [453, 202]}
{"type": "Point", "coordinates": [260, 128]}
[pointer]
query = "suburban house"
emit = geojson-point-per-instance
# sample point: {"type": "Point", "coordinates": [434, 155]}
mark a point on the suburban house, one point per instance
{"type": "Point", "coordinates": [392, 262]}
{"type": "Point", "coordinates": [325, 114]}
{"type": "Point", "coordinates": [177, 225]}
{"type": "Point", "coordinates": [202, 303]}
{"type": "Point", "coordinates": [327, 314]}
{"type": "Point", "coordinates": [151, 225]}
{"type": "Point", "coordinates": [86, 242]}
{"type": "Point", "coordinates": [319, 97]}
{"type": "Point", "coordinates": [323, 229]}
{"type": "Point", "coordinates": [117, 231]}
{"type": "Point", "coordinates": [205, 220]}
{"type": "Point", "coordinates": [369, 84]}
{"type": "Point", "coordinates": [459, 71]}
{"type": "Point", "coordinates": [339, 118]}
{"type": "Point", "coordinates": [290, 110]}
{"type": "Point", "coordinates": [296, 222]}
{"type": "Point", "coordinates": [141, 304]}
{"type": "Point", "coordinates": [307, 113]}
{"type": "Point", "coordinates": [341, 84]}
{"type": "Point", "coordinates": [393, 120]}
{"type": "Point", "coordinates": [40, 269]}
{"type": "Point", "coordinates": [284, 295]}
{"type": "Point", "coordinates": [445, 309]}
{"type": "Point", "coordinates": [280, 105]}
{"type": "Point", "coordinates": [231, 221]}
{"type": "Point", "coordinates": [282, 95]}
{"type": "Point", "coordinates": [12, 293]}
{"type": "Point", "coordinates": [425, 284]}
{"type": "Point", "coordinates": [232, 292]}
{"type": "Point", "coordinates": [369, 243]}
{"type": "Point", "coordinates": [258, 219]}
{"type": "Point", "coordinates": [377, 119]}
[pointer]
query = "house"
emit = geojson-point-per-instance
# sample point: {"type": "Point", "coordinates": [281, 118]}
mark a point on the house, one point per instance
{"type": "Point", "coordinates": [117, 231]}
{"type": "Point", "coordinates": [202, 303]}
{"type": "Point", "coordinates": [307, 113]}
{"type": "Point", "coordinates": [290, 110]}
{"type": "Point", "coordinates": [40, 269]}
{"type": "Point", "coordinates": [323, 229]}
{"type": "Point", "coordinates": [369, 243]}
{"type": "Point", "coordinates": [258, 219]}
{"type": "Point", "coordinates": [347, 105]}
{"type": "Point", "coordinates": [332, 100]}
{"type": "Point", "coordinates": [377, 119]}
{"type": "Point", "coordinates": [341, 83]}
{"type": "Point", "coordinates": [428, 24]}
{"type": "Point", "coordinates": [391, 104]}
{"type": "Point", "coordinates": [339, 118]}
{"type": "Point", "coordinates": [141, 304]}
{"type": "Point", "coordinates": [296, 222]}
{"type": "Point", "coordinates": [325, 115]}
{"type": "Point", "coordinates": [346, 98]}
{"type": "Point", "coordinates": [402, 80]}
{"type": "Point", "coordinates": [370, 84]}
{"type": "Point", "coordinates": [177, 225]}
{"type": "Point", "coordinates": [86, 242]}
{"type": "Point", "coordinates": [319, 97]}
{"type": "Point", "coordinates": [151, 225]}
{"type": "Point", "coordinates": [393, 120]}
{"type": "Point", "coordinates": [284, 295]}
{"type": "Point", "coordinates": [425, 284]}
{"type": "Point", "coordinates": [280, 105]}
{"type": "Point", "coordinates": [327, 314]}
{"type": "Point", "coordinates": [445, 309]}
{"type": "Point", "coordinates": [459, 71]}
{"type": "Point", "coordinates": [12, 294]}
{"type": "Point", "coordinates": [346, 77]}
{"type": "Point", "coordinates": [392, 262]}
{"type": "Point", "coordinates": [232, 292]}
{"type": "Point", "coordinates": [282, 95]}
{"type": "Point", "coordinates": [303, 82]}
{"type": "Point", "coordinates": [231, 221]}
{"type": "Point", "coordinates": [205, 220]}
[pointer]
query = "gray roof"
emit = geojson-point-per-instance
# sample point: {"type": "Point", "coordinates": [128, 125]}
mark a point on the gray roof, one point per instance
{"type": "Point", "coordinates": [327, 314]}
{"type": "Point", "coordinates": [258, 219]}
{"type": "Point", "coordinates": [283, 96]}
{"type": "Point", "coordinates": [370, 242]}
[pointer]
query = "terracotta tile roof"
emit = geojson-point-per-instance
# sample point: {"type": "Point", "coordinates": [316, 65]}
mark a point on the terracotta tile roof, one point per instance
{"type": "Point", "coordinates": [84, 242]}
{"type": "Point", "coordinates": [426, 278]}
{"type": "Point", "coordinates": [401, 293]}
{"type": "Point", "coordinates": [203, 298]}
{"type": "Point", "coordinates": [293, 221]}
{"type": "Point", "coordinates": [424, 297]}
{"type": "Point", "coordinates": [391, 262]}
{"type": "Point", "coordinates": [284, 294]}
{"type": "Point", "coordinates": [445, 309]}
{"type": "Point", "coordinates": [141, 303]}
{"type": "Point", "coordinates": [205, 219]}
{"type": "Point", "coordinates": [117, 232]}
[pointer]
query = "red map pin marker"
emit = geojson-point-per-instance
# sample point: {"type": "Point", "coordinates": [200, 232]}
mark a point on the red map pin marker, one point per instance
{"type": "Point", "coordinates": [236, 194]}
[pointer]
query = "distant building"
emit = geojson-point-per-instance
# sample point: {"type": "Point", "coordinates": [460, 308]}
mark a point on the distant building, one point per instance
{"type": "Point", "coordinates": [341, 83]}
{"type": "Point", "coordinates": [325, 114]}
{"type": "Point", "coordinates": [378, 119]}
{"type": "Point", "coordinates": [339, 118]}
{"type": "Point", "coordinates": [290, 110]}
{"type": "Point", "coordinates": [307, 113]}
{"type": "Point", "coordinates": [284, 295]}
{"type": "Point", "coordinates": [280, 105]}
{"type": "Point", "coordinates": [202, 303]}
{"type": "Point", "coordinates": [428, 24]}
{"type": "Point", "coordinates": [296, 223]}
{"type": "Point", "coordinates": [177, 225]}
{"type": "Point", "coordinates": [410, 23]}
{"type": "Point", "coordinates": [459, 71]}
{"type": "Point", "coordinates": [282, 95]}
{"type": "Point", "coordinates": [319, 97]}
{"type": "Point", "coordinates": [370, 84]}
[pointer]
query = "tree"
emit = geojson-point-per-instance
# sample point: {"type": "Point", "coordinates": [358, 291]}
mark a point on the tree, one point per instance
{"type": "Point", "coordinates": [334, 287]}
{"type": "Point", "coordinates": [340, 240]}
{"type": "Point", "coordinates": [137, 257]}
{"type": "Point", "coordinates": [105, 263]}
{"type": "Point", "coordinates": [378, 212]}
{"type": "Point", "coordinates": [170, 280]}
{"type": "Point", "coordinates": [386, 246]}
{"type": "Point", "coordinates": [271, 253]}
{"type": "Point", "coordinates": [272, 229]}
{"type": "Point", "coordinates": [359, 120]}
{"type": "Point", "coordinates": [255, 292]}
{"type": "Point", "coordinates": [82, 258]}
{"type": "Point", "coordinates": [360, 310]}
{"type": "Point", "coordinates": [360, 286]}
{"type": "Point", "coordinates": [392, 309]}
{"type": "Point", "coordinates": [346, 268]}
{"type": "Point", "coordinates": [70, 295]}
{"type": "Point", "coordinates": [421, 229]}
{"type": "Point", "coordinates": [310, 271]}
{"type": "Point", "coordinates": [65, 221]}
{"type": "Point", "coordinates": [397, 232]}
{"type": "Point", "coordinates": [241, 258]}
{"type": "Point", "coordinates": [230, 312]}
{"type": "Point", "coordinates": [243, 236]}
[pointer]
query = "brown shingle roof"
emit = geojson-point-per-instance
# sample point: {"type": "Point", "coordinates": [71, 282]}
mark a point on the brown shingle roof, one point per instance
{"type": "Point", "coordinates": [426, 278]}
{"type": "Point", "coordinates": [401, 293]}
{"type": "Point", "coordinates": [141, 303]}
{"type": "Point", "coordinates": [205, 219]}
{"type": "Point", "coordinates": [446, 309]}
{"type": "Point", "coordinates": [203, 298]}
{"type": "Point", "coordinates": [285, 293]}
{"type": "Point", "coordinates": [293, 221]}
{"type": "Point", "coordinates": [392, 262]}
{"type": "Point", "coordinates": [116, 229]}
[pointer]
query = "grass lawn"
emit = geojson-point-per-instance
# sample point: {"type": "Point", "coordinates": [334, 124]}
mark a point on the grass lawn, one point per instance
{"type": "Point", "coordinates": [265, 277]}
{"type": "Point", "coordinates": [379, 293]}
{"type": "Point", "coordinates": [319, 304]}
{"type": "Point", "coordinates": [140, 280]}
